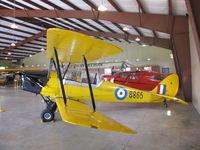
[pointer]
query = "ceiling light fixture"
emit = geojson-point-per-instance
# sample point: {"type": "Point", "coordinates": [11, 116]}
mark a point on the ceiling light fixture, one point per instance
{"type": "Point", "coordinates": [125, 28]}
{"type": "Point", "coordinates": [13, 44]}
{"type": "Point", "coordinates": [137, 39]}
{"type": "Point", "coordinates": [9, 53]}
{"type": "Point", "coordinates": [6, 57]}
{"type": "Point", "coordinates": [102, 8]}
{"type": "Point", "coordinates": [13, 26]}
{"type": "Point", "coordinates": [42, 49]}
{"type": "Point", "coordinates": [148, 59]}
{"type": "Point", "coordinates": [137, 59]}
{"type": "Point", "coordinates": [30, 55]}
{"type": "Point", "coordinates": [144, 45]}
{"type": "Point", "coordinates": [171, 56]}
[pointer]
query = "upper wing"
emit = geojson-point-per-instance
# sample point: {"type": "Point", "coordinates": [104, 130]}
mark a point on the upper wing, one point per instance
{"type": "Point", "coordinates": [71, 46]}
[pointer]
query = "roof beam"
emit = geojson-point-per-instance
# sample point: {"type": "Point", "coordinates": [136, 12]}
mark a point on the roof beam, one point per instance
{"type": "Point", "coordinates": [162, 23]}
{"type": "Point", "coordinates": [40, 34]}
{"type": "Point", "coordinates": [143, 10]}
{"type": "Point", "coordinates": [115, 5]}
{"type": "Point", "coordinates": [165, 43]}
{"type": "Point", "coordinates": [170, 7]}
{"type": "Point", "coordinates": [140, 6]}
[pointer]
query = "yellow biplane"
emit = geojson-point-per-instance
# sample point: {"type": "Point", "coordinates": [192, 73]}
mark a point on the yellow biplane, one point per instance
{"type": "Point", "coordinates": [70, 47]}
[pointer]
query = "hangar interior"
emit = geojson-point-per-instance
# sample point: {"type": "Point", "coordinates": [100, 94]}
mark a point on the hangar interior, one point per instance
{"type": "Point", "coordinates": [161, 36]}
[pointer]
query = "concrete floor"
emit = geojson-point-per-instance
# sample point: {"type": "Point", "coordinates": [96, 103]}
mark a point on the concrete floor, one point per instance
{"type": "Point", "coordinates": [20, 127]}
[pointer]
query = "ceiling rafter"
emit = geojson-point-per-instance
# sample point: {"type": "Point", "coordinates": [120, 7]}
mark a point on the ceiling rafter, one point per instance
{"type": "Point", "coordinates": [25, 50]}
{"type": "Point", "coordinates": [22, 24]}
{"type": "Point", "coordinates": [140, 6]}
{"type": "Point", "coordinates": [27, 32]}
{"type": "Point", "coordinates": [77, 8]}
{"type": "Point", "coordinates": [147, 40]}
{"type": "Point", "coordinates": [22, 52]}
{"type": "Point", "coordinates": [15, 54]}
{"type": "Point", "coordinates": [143, 10]}
{"type": "Point", "coordinates": [43, 8]}
{"type": "Point", "coordinates": [93, 6]}
{"type": "Point", "coordinates": [9, 56]}
{"type": "Point", "coordinates": [12, 34]}
{"type": "Point", "coordinates": [59, 8]}
{"type": "Point", "coordinates": [119, 9]}
{"type": "Point", "coordinates": [138, 19]}
{"type": "Point", "coordinates": [170, 7]}
{"type": "Point", "coordinates": [24, 41]}
{"type": "Point", "coordinates": [115, 5]}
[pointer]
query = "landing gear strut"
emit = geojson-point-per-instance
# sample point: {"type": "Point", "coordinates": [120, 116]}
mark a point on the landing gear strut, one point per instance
{"type": "Point", "coordinates": [165, 103]}
{"type": "Point", "coordinates": [47, 114]}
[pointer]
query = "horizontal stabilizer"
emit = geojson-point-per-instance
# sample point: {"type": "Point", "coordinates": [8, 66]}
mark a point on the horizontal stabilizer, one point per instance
{"type": "Point", "coordinates": [172, 98]}
{"type": "Point", "coordinates": [81, 114]}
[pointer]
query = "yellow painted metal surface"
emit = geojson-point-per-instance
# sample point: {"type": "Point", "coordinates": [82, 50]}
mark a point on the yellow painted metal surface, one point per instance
{"type": "Point", "coordinates": [81, 114]}
{"type": "Point", "coordinates": [72, 46]}
{"type": "Point", "coordinates": [110, 92]}
{"type": "Point", "coordinates": [15, 70]}
{"type": "Point", "coordinates": [172, 85]}
{"type": "Point", "coordinates": [51, 89]}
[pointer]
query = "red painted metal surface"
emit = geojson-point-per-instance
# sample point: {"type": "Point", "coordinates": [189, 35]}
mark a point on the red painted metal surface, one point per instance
{"type": "Point", "coordinates": [143, 80]}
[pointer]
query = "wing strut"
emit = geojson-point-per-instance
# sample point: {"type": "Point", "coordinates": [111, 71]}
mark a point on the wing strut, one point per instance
{"type": "Point", "coordinates": [89, 84]}
{"type": "Point", "coordinates": [66, 70]}
{"type": "Point", "coordinates": [57, 65]}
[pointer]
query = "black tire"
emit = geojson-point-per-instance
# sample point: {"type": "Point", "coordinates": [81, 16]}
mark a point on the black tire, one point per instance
{"type": "Point", "coordinates": [47, 115]}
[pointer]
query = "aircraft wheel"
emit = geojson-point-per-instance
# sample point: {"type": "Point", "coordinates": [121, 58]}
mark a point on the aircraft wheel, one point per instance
{"type": "Point", "coordinates": [47, 115]}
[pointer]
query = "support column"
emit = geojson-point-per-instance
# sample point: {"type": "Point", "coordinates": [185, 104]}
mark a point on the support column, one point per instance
{"type": "Point", "coordinates": [181, 52]}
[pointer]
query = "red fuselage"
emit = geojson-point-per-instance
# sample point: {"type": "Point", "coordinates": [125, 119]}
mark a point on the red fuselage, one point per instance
{"type": "Point", "coordinates": [143, 80]}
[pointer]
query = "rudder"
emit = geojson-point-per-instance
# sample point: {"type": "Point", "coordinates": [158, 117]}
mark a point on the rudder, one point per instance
{"type": "Point", "coordinates": [168, 86]}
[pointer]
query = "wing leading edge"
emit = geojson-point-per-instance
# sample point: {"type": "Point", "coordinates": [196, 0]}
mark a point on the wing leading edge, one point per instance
{"type": "Point", "coordinates": [71, 46]}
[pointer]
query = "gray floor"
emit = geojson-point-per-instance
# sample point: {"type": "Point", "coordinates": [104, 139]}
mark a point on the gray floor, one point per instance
{"type": "Point", "coordinates": [20, 127]}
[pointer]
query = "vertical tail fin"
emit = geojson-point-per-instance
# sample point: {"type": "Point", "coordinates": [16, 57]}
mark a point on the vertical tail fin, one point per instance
{"type": "Point", "coordinates": [168, 86]}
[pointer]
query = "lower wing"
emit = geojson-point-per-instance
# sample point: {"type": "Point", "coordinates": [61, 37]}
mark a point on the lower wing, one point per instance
{"type": "Point", "coordinates": [80, 114]}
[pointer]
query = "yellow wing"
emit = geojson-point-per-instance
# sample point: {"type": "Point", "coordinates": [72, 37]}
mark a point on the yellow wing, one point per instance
{"type": "Point", "coordinates": [16, 70]}
{"type": "Point", "coordinates": [71, 46]}
{"type": "Point", "coordinates": [81, 114]}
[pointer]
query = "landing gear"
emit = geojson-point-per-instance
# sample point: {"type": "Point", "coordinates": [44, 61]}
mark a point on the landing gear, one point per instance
{"type": "Point", "coordinates": [165, 103]}
{"type": "Point", "coordinates": [47, 114]}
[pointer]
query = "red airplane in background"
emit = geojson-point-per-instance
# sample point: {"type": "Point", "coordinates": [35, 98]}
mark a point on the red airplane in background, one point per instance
{"type": "Point", "coordinates": [143, 80]}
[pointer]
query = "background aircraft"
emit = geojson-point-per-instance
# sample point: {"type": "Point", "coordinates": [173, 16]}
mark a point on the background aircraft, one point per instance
{"type": "Point", "coordinates": [143, 80]}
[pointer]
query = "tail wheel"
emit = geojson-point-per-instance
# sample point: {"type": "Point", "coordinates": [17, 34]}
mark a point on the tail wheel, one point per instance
{"type": "Point", "coordinates": [47, 115]}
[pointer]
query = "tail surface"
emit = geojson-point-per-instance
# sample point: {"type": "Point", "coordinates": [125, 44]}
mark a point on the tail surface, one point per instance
{"type": "Point", "coordinates": [168, 86]}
